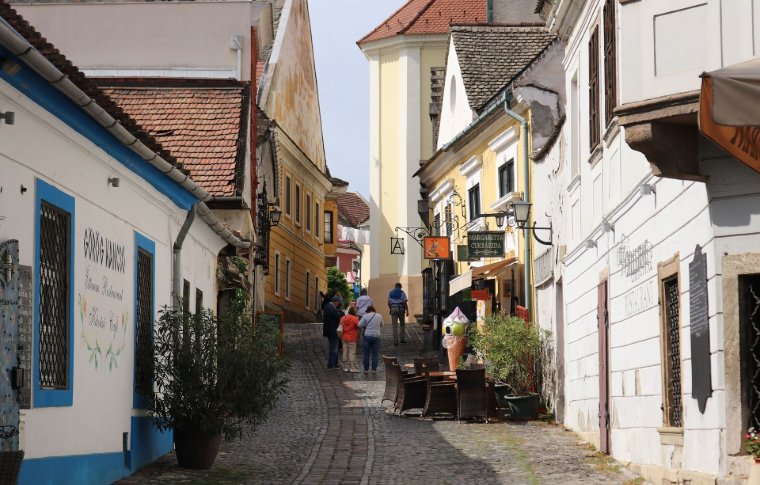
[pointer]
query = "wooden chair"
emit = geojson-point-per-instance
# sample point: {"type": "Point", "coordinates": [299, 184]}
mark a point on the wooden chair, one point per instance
{"type": "Point", "coordinates": [472, 394]}
{"type": "Point", "coordinates": [423, 365]}
{"type": "Point", "coordinates": [441, 398]}
{"type": "Point", "coordinates": [411, 391]}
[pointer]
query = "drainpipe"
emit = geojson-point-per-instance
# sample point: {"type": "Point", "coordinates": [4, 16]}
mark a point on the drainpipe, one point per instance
{"type": "Point", "coordinates": [177, 256]}
{"type": "Point", "coordinates": [526, 187]}
{"type": "Point", "coordinates": [489, 11]}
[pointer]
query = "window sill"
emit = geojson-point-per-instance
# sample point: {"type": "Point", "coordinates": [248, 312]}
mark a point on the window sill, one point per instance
{"type": "Point", "coordinates": [596, 155]}
{"type": "Point", "coordinates": [612, 130]}
{"type": "Point", "coordinates": [671, 436]}
{"type": "Point", "coordinates": [509, 197]}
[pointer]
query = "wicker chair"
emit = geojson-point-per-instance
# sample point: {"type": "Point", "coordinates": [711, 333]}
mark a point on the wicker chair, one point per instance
{"type": "Point", "coordinates": [423, 365]}
{"type": "Point", "coordinates": [472, 394]}
{"type": "Point", "coordinates": [391, 379]}
{"type": "Point", "coordinates": [441, 398]}
{"type": "Point", "coordinates": [410, 392]}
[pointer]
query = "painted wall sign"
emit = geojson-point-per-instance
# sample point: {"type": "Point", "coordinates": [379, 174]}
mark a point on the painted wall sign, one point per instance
{"type": "Point", "coordinates": [701, 381]}
{"type": "Point", "coordinates": [634, 261]}
{"type": "Point", "coordinates": [485, 244]}
{"type": "Point", "coordinates": [103, 250]}
{"type": "Point", "coordinates": [436, 247]}
{"type": "Point", "coordinates": [640, 298]}
{"type": "Point", "coordinates": [480, 294]}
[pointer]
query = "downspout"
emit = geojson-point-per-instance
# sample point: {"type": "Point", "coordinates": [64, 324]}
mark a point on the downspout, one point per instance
{"type": "Point", "coordinates": [177, 256]}
{"type": "Point", "coordinates": [489, 11]}
{"type": "Point", "coordinates": [526, 187]}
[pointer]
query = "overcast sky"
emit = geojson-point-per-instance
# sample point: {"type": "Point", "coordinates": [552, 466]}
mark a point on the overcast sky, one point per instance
{"type": "Point", "coordinates": [343, 77]}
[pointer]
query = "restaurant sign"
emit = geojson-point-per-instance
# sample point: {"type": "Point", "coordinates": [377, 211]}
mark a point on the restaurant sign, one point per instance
{"type": "Point", "coordinates": [485, 244]}
{"type": "Point", "coordinates": [462, 254]}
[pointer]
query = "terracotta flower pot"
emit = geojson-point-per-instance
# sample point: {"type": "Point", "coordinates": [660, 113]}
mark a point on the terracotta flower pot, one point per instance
{"type": "Point", "coordinates": [196, 449]}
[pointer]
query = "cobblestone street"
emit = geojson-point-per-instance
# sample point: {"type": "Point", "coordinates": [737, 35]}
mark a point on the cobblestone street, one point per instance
{"type": "Point", "coordinates": [332, 428]}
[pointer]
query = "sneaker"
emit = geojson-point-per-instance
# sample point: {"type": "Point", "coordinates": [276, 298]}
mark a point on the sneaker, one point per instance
{"type": "Point", "coordinates": [366, 371]}
{"type": "Point", "coordinates": [354, 371]}
{"type": "Point", "coordinates": [374, 371]}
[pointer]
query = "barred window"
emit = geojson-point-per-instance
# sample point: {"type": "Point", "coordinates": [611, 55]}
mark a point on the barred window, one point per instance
{"type": "Point", "coordinates": [749, 339]}
{"type": "Point", "coordinates": [144, 330]}
{"type": "Point", "coordinates": [610, 61]}
{"type": "Point", "coordinates": [670, 341]}
{"type": "Point", "coordinates": [593, 90]}
{"type": "Point", "coordinates": [55, 293]}
{"type": "Point", "coordinates": [316, 220]}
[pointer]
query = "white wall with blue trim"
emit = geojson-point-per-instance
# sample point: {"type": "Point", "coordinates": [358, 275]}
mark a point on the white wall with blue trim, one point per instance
{"type": "Point", "coordinates": [77, 436]}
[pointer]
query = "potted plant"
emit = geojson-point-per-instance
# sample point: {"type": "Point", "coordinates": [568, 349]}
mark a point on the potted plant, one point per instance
{"type": "Point", "coordinates": [214, 377]}
{"type": "Point", "coordinates": [510, 347]}
{"type": "Point", "coordinates": [752, 444]}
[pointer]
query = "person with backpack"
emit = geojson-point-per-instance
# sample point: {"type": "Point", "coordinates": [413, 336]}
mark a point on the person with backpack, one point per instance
{"type": "Point", "coordinates": [371, 323]}
{"type": "Point", "coordinates": [397, 303]}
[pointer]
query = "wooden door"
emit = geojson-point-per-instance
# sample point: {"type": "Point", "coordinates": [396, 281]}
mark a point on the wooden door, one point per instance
{"type": "Point", "coordinates": [604, 396]}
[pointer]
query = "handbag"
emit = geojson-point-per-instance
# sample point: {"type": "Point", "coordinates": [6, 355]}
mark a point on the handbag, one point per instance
{"type": "Point", "coordinates": [339, 330]}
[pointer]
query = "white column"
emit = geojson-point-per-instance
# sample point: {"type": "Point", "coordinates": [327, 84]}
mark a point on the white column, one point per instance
{"type": "Point", "coordinates": [375, 179]}
{"type": "Point", "coordinates": [409, 152]}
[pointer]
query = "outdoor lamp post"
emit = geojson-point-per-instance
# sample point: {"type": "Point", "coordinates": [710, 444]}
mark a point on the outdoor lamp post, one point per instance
{"type": "Point", "coordinates": [518, 215]}
{"type": "Point", "coordinates": [274, 215]}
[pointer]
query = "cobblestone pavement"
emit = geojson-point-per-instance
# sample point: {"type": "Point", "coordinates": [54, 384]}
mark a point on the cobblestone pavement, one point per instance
{"type": "Point", "coordinates": [331, 428]}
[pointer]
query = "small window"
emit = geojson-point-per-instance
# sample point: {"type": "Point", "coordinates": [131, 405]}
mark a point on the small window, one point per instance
{"type": "Point", "coordinates": [186, 297]}
{"type": "Point", "coordinates": [474, 201]}
{"type": "Point", "coordinates": [593, 90]}
{"type": "Point", "coordinates": [670, 322]}
{"type": "Point", "coordinates": [144, 294]}
{"type": "Point", "coordinates": [328, 227]}
{"type": "Point", "coordinates": [308, 212]}
{"type": "Point", "coordinates": [307, 298]}
{"type": "Point", "coordinates": [298, 204]}
{"type": "Point", "coordinates": [316, 220]}
{"type": "Point", "coordinates": [198, 301]}
{"type": "Point", "coordinates": [287, 279]}
{"type": "Point", "coordinates": [316, 293]}
{"type": "Point", "coordinates": [610, 61]}
{"type": "Point", "coordinates": [277, 274]}
{"type": "Point", "coordinates": [507, 178]}
{"type": "Point", "coordinates": [437, 225]}
{"type": "Point", "coordinates": [287, 195]}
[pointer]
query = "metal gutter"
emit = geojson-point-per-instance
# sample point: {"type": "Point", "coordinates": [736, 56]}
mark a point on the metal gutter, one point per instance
{"type": "Point", "coordinates": [177, 253]}
{"type": "Point", "coordinates": [22, 49]}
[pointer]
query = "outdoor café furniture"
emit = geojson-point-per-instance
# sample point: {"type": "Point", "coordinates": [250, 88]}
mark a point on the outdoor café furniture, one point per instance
{"type": "Point", "coordinates": [441, 397]}
{"type": "Point", "coordinates": [391, 381]}
{"type": "Point", "coordinates": [423, 365]}
{"type": "Point", "coordinates": [472, 394]}
{"type": "Point", "coordinates": [411, 391]}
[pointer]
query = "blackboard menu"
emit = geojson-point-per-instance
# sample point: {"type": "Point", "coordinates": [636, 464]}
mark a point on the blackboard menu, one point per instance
{"type": "Point", "coordinates": [25, 299]}
{"type": "Point", "coordinates": [701, 382]}
{"type": "Point", "coordinates": [275, 322]}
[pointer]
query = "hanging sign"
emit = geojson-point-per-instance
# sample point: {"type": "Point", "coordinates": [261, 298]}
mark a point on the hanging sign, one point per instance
{"type": "Point", "coordinates": [701, 382]}
{"type": "Point", "coordinates": [485, 244]}
{"type": "Point", "coordinates": [397, 245]}
{"type": "Point", "coordinates": [462, 254]}
{"type": "Point", "coordinates": [437, 247]}
{"type": "Point", "coordinates": [481, 294]}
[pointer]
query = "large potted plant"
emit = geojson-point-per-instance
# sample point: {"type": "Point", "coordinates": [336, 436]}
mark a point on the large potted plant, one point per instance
{"type": "Point", "coordinates": [510, 347]}
{"type": "Point", "coordinates": [215, 377]}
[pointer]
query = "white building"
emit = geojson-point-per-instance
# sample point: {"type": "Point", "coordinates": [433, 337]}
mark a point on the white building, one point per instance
{"type": "Point", "coordinates": [656, 340]}
{"type": "Point", "coordinates": [104, 238]}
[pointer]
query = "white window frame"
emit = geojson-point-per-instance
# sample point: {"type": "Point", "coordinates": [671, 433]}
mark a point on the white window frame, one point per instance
{"type": "Point", "coordinates": [505, 147]}
{"type": "Point", "coordinates": [472, 169]}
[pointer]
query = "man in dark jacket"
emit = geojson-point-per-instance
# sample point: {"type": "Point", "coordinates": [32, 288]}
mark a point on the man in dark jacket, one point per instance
{"type": "Point", "coordinates": [331, 317]}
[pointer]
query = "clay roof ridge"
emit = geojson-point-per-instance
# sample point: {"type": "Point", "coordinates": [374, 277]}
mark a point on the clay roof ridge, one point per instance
{"type": "Point", "coordinates": [388, 19]}
{"type": "Point", "coordinates": [416, 17]}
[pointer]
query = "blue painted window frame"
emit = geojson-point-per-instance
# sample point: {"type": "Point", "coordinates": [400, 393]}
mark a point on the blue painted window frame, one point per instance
{"type": "Point", "coordinates": [141, 401]}
{"type": "Point", "coordinates": [53, 397]}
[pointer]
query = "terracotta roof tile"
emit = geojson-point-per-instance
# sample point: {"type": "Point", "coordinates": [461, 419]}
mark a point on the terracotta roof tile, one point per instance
{"type": "Point", "coordinates": [426, 17]}
{"type": "Point", "coordinates": [200, 125]}
{"type": "Point", "coordinates": [490, 57]}
{"type": "Point", "coordinates": [86, 85]}
{"type": "Point", "coordinates": [353, 211]}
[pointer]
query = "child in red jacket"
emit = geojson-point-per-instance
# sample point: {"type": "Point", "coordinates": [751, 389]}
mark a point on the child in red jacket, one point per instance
{"type": "Point", "coordinates": [350, 335]}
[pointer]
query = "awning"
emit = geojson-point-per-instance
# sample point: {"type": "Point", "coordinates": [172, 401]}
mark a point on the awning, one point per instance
{"type": "Point", "coordinates": [729, 112]}
{"type": "Point", "coordinates": [461, 282]}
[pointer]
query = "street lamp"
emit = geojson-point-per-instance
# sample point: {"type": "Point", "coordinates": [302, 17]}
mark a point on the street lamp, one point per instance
{"type": "Point", "coordinates": [274, 215]}
{"type": "Point", "coordinates": [518, 215]}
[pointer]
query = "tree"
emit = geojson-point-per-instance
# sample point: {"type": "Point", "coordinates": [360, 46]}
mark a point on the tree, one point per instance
{"type": "Point", "coordinates": [336, 281]}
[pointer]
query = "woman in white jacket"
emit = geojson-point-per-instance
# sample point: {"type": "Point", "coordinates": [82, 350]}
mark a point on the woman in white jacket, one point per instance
{"type": "Point", "coordinates": [371, 323]}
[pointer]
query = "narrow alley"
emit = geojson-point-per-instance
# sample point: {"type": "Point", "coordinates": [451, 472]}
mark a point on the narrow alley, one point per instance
{"type": "Point", "coordinates": [330, 427]}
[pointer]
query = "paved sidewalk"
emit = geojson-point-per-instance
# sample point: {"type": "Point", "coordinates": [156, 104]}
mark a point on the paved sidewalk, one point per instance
{"type": "Point", "coordinates": [331, 428]}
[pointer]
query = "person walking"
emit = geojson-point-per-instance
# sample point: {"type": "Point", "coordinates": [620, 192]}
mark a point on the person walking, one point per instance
{"type": "Point", "coordinates": [331, 317]}
{"type": "Point", "coordinates": [362, 303]}
{"type": "Point", "coordinates": [397, 302]}
{"type": "Point", "coordinates": [350, 325]}
{"type": "Point", "coordinates": [371, 323]}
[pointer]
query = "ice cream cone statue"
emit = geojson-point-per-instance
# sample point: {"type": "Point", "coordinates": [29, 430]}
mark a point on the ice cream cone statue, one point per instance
{"type": "Point", "coordinates": [457, 328]}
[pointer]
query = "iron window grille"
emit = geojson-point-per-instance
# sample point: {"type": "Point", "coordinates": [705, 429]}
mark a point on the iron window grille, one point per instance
{"type": "Point", "coordinates": [437, 225]}
{"type": "Point", "coordinates": [593, 90]}
{"type": "Point", "coordinates": [749, 308]}
{"type": "Point", "coordinates": [144, 330]}
{"type": "Point", "coordinates": [610, 61]}
{"type": "Point", "coordinates": [55, 230]}
{"type": "Point", "coordinates": [449, 217]}
{"type": "Point", "coordinates": [672, 405]}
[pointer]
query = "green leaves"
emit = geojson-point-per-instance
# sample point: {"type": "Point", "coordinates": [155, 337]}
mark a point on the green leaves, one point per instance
{"type": "Point", "coordinates": [336, 281]}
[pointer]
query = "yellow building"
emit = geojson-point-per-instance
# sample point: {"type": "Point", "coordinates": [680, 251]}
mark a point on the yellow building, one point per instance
{"type": "Point", "coordinates": [494, 113]}
{"type": "Point", "coordinates": [401, 52]}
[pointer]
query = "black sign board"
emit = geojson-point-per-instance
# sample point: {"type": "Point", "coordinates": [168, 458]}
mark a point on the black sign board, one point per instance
{"type": "Point", "coordinates": [462, 254]}
{"type": "Point", "coordinates": [701, 382]}
{"type": "Point", "coordinates": [275, 322]}
{"type": "Point", "coordinates": [485, 244]}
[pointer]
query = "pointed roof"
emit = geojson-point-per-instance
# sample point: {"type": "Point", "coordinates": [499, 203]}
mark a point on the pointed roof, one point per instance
{"type": "Point", "coordinates": [427, 17]}
{"type": "Point", "coordinates": [353, 211]}
{"type": "Point", "coordinates": [202, 123]}
{"type": "Point", "coordinates": [490, 57]}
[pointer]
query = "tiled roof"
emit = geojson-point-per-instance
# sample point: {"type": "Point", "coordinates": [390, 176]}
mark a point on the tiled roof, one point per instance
{"type": "Point", "coordinates": [200, 125]}
{"type": "Point", "coordinates": [425, 17]}
{"type": "Point", "coordinates": [352, 210]}
{"type": "Point", "coordinates": [492, 56]}
{"type": "Point", "coordinates": [86, 85]}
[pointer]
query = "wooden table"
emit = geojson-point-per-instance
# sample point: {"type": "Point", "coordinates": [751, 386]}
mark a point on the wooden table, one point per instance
{"type": "Point", "coordinates": [443, 373]}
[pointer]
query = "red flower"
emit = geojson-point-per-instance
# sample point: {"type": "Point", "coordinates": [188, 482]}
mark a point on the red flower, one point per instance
{"type": "Point", "coordinates": [746, 436]}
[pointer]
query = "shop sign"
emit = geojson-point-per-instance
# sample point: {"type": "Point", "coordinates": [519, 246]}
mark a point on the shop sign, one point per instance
{"type": "Point", "coordinates": [437, 247]}
{"type": "Point", "coordinates": [701, 381]}
{"type": "Point", "coordinates": [485, 244]}
{"type": "Point", "coordinates": [480, 294]}
{"type": "Point", "coordinates": [462, 254]}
